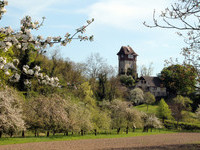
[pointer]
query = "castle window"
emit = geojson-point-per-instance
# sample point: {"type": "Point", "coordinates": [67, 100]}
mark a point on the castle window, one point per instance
{"type": "Point", "coordinates": [122, 56]}
{"type": "Point", "coordinates": [130, 56]}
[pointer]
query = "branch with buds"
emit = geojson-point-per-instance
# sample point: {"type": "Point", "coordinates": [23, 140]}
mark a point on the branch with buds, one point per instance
{"type": "Point", "coordinates": [21, 40]}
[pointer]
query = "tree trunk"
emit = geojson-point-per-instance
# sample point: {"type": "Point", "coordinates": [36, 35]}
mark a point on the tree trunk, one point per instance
{"type": "Point", "coordinates": [47, 133]}
{"type": "Point", "coordinates": [95, 132]}
{"type": "Point", "coordinates": [177, 124]}
{"type": "Point", "coordinates": [54, 132]}
{"type": "Point", "coordinates": [145, 129]}
{"type": "Point", "coordinates": [163, 120]}
{"type": "Point", "coordinates": [72, 133]}
{"type": "Point", "coordinates": [11, 134]}
{"type": "Point", "coordinates": [118, 130]}
{"type": "Point", "coordinates": [133, 129]}
{"type": "Point", "coordinates": [23, 134]}
{"type": "Point", "coordinates": [0, 134]}
{"type": "Point", "coordinates": [81, 132]}
{"type": "Point", "coordinates": [147, 107]}
{"type": "Point", "coordinates": [151, 129]}
{"type": "Point", "coordinates": [66, 133]}
{"type": "Point", "coordinates": [127, 129]}
{"type": "Point", "coordinates": [35, 132]}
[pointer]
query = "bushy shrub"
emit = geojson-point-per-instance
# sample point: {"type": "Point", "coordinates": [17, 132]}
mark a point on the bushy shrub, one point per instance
{"type": "Point", "coordinates": [182, 125]}
{"type": "Point", "coordinates": [127, 80]}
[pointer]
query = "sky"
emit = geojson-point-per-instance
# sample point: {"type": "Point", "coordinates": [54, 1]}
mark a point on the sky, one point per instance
{"type": "Point", "coordinates": [117, 23]}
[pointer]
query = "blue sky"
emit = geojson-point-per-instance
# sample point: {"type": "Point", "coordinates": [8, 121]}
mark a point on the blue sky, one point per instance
{"type": "Point", "coordinates": [117, 23]}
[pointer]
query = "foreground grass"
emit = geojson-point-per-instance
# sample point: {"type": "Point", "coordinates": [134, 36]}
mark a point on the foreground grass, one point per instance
{"type": "Point", "coordinates": [31, 139]}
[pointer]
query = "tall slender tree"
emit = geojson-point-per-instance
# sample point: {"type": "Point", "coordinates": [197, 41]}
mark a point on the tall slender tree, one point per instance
{"type": "Point", "coordinates": [164, 111]}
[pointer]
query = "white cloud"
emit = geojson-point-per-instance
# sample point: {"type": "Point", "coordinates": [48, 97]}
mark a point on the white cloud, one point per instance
{"type": "Point", "coordinates": [126, 14]}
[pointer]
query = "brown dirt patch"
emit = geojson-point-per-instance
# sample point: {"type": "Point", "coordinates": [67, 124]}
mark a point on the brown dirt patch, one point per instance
{"type": "Point", "coordinates": [173, 141]}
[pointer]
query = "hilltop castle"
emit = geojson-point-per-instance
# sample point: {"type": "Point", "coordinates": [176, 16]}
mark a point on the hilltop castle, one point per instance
{"type": "Point", "coordinates": [128, 66]}
{"type": "Point", "coordinates": [127, 61]}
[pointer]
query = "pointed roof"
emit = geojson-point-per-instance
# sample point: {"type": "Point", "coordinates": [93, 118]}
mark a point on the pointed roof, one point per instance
{"type": "Point", "coordinates": [153, 81]}
{"type": "Point", "coordinates": [127, 50]}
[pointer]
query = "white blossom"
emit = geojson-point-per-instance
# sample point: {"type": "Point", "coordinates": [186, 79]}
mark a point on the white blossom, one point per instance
{"type": "Point", "coordinates": [30, 72]}
{"type": "Point", "coordinates": [44, 82]}
{"type": "Point", "coordinates": [16, 61]}
{"type": "Point", "coordinates": [2, 10]}
{"type": "Point", "coordinates": [57, 38]}
{"type": "Point", "coordinates": [15, 77]}
{"type": "Point", "coordinates": [56, 79]}
{"type": "Point", "coordinates": [9, 30]}
{"type": "Point", "coordinates": [2, 44]}
{"type": "Point", "coordinates": [40, 75]}
{"type": "Point", "coordinates": [37, 68]}
{"type": "Point", "coordinates": [25, 68]}
{"type": "Point", "coordinates": [5, 2]}
{"type": "Point", "coordinates": [1, 65]}
{"type": "Point", "coordinates": [24, 46]}
{"type": "Point", "coordinates": [39, 37]}
{"type": "Point", "coordinates": [37, 44]}
{"type": "Point", "coordinates": [25, 37]}
{"type": "Point", "coordinates": [47, 77]}
{"type": "Point", "coordinates": [27, 82]}
{"type": "Point", "coordinates": [36, 74]}
{"type": "Point", "coordinates": [3, 60]}
{"type": "Point", "coordinates": [9, 66]}
{"type": "Point", "coordinates": [48, 40]}
{"type": "Point", "coordinates": [7, 73]}
{"type": "Point", "coordinates": [5, 49]}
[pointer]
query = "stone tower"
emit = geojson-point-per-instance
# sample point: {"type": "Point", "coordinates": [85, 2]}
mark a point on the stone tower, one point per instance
{"type": "Point", "coordinates": [127, 61]}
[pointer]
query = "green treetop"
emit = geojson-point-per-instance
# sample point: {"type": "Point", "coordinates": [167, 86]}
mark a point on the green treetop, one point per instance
{"type": "Point", "coordinates": [149, 98]}
{"type": "Point", "coordinates": [163, 110]}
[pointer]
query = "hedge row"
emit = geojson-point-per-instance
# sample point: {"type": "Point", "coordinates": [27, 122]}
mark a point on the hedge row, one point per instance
{"type": "Point", "coordinates": [181, 125]}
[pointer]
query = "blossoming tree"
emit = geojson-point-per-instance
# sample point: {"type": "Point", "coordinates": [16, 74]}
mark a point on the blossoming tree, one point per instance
{"type": "Point", "coordinates": [17, 48]}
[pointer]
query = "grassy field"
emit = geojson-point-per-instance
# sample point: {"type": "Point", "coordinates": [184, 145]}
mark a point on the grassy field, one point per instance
{"type": "Point", "coordinates": [151, 108]}
{"type": "Point", "coordinates": [31, 139]}
{"type": "Point", "coordinates": [188, 116]}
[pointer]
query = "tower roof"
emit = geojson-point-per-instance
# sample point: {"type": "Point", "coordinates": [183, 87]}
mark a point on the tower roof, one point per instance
{"type": "Point", "coordinates": [127, 50]}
